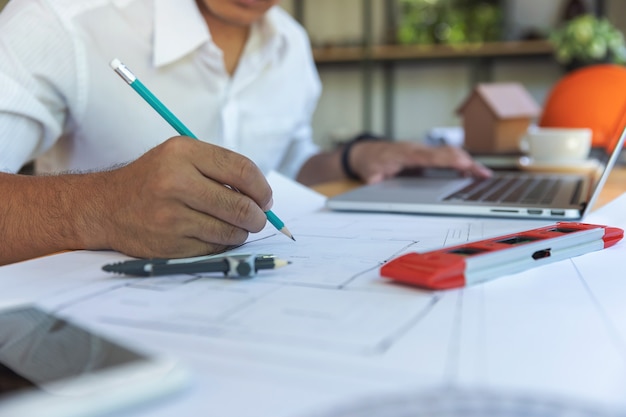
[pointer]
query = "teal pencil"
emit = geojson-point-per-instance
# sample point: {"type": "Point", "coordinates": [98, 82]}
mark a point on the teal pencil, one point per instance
{"type": "Point", "coordinates": [157, 105]}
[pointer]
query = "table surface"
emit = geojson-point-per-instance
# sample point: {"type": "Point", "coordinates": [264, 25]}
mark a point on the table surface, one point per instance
{"type": "Point", "coordinates": [614, 187]}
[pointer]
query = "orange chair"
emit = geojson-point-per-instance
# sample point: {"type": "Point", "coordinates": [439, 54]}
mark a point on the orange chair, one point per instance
{"type": "Point", "coordinates": [592, 97]}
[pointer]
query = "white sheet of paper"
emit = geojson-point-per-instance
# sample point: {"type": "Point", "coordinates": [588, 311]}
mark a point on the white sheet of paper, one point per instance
{"type": "Point", "coordinates": [327, 328]}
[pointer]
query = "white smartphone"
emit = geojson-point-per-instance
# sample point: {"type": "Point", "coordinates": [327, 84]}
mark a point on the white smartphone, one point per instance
{"type": "Point", "coordinates": [52, 367]}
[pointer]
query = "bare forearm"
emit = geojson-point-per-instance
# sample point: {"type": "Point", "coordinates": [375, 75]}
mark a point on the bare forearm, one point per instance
{"type": "Point", "coordinates": [322, 167]}
{"type": "Point", "coordinates": [373, 161]}
{"type": "Point", "coordinates": [171, 202]}
{"type": "Point", "coordinates": [40, 215]}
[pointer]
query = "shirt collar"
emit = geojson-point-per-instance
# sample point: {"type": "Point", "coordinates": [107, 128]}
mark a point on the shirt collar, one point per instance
{"type": "Point", "coordinates": [178, 29]}
{"type": "Point", "coordinates": [266, 41]}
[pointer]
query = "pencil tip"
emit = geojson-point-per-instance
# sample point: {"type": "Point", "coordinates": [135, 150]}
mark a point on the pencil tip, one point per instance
{"type": "Point", "coordinates": [280, 263]}
{"type": "Point", "coordinates": [287, 233]}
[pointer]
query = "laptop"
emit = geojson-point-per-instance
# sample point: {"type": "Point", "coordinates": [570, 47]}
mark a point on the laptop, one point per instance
{"type": "Point", "coordinates": [512, 194]}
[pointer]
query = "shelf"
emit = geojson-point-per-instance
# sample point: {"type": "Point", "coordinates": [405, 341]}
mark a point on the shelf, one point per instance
{"type": "Point", "coordinates": [338, 54]}
{"type": "Point", "coordinates": [481, 56]}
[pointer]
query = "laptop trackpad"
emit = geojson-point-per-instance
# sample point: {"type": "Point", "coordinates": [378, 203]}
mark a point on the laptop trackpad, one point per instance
{"type": "Point", "coordinates": [420, 189]}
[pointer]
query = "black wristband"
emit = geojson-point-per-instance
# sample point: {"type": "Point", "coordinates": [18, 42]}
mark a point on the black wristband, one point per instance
{"type": "Point", "coordinates": [345, 154]}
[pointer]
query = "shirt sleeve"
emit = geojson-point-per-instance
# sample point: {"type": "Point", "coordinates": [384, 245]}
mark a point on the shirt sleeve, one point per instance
{"type": "Point", "coordinates": [302, 146]}
{"type": "Point", "coordinates": [300, 150]}
{"type": "Point", "coordinates": [36, 77]}
{"type": "Point", "coordinates": [18, 137]}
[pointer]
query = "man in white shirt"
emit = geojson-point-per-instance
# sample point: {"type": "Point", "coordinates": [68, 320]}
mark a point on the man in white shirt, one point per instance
{"type": "Point", "coordinates": [239, 73]}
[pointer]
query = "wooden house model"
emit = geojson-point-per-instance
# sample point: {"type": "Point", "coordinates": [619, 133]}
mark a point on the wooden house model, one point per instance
{"type": "Point", "coordinates": [496, 116]}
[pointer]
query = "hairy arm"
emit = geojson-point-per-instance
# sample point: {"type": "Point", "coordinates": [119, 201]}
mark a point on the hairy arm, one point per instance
{"type": "Point", "coordinates": [171, 202]}
{"type": "Point", "coordinates": [41, 215]}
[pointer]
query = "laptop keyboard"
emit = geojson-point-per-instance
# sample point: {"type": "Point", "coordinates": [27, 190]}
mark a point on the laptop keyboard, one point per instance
{"type": "Point", "coordinates": [509, 189]}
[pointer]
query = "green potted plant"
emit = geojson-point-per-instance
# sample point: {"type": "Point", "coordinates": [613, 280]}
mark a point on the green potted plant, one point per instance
{"type": "Point", "coordinates": [448, 21]}
{"type": "Point", "coordinates": [587, 39]}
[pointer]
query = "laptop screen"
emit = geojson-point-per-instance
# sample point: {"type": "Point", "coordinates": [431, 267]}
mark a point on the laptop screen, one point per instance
{"type": "Point", "coordinates": [608, 161]}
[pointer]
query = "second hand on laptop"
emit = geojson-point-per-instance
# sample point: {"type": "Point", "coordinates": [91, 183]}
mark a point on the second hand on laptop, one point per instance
{"type": "Point", "coordinates": [156, 104]}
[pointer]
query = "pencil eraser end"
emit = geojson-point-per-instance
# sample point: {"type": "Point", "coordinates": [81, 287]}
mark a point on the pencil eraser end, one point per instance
{"type": "Point", "coordinates": [115, 63]}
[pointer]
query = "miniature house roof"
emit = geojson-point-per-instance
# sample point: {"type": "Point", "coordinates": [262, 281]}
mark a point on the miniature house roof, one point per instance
{"type": "Point", "coordinates": [505, 100]}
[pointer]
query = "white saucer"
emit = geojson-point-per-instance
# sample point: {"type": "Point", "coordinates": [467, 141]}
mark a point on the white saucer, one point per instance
{"type": "Point", "coordinates": [528, 164]}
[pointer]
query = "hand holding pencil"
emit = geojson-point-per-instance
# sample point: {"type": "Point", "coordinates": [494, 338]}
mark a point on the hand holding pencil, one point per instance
{"type": "Point", "coordinates": [179, 126]}
{"type": "Point", "coordinates": [172, 203]}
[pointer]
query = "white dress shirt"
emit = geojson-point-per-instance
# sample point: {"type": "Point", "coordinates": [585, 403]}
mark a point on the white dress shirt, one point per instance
{"type": "Point", "coordinates": [61, 103]}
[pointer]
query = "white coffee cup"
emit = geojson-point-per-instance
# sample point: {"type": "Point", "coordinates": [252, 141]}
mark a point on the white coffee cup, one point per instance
{"type": "Point", "coordinates": [556, 145]}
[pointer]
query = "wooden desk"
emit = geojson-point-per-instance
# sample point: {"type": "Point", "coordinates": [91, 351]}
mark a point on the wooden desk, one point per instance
{"type": "Point", "coordinates": [614, 187]}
